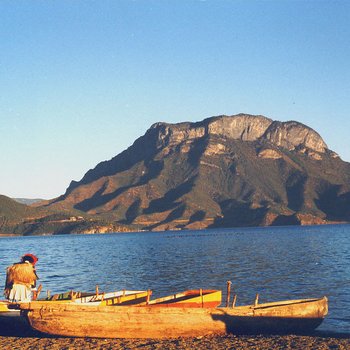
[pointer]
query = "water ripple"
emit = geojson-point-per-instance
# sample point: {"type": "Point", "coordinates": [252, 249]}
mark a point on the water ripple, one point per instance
{"type": "Point", "coordinates": [278, 263]}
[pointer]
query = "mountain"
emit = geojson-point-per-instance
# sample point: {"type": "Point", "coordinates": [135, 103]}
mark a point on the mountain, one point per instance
{"type": "Point", "coordinates": [12, 210]}
{"type": "Point", "coordinates": [27, 201]}
{"type": "Point", "coordinates": [224, 171]}
{"type": "Point", "coordinates": [20, 219]}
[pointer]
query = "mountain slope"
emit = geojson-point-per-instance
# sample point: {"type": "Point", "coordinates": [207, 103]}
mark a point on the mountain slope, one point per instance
{"type": "Point", "coordinates": [13, 210]}
{"type": "Point", "coordinates": [223, 171]}
{"type": "Point", "coordinates": [20, 219]}
{"type": "Point", "coordinates": [27, 201]}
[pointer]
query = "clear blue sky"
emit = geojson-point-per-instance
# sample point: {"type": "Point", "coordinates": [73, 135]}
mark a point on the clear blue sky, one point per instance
{"type": "Point", "coordinates": [81, 80]}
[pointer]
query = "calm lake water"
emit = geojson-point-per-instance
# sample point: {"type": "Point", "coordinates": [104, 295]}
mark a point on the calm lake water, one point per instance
{"type": "Point", "coordinates": [278, 263]}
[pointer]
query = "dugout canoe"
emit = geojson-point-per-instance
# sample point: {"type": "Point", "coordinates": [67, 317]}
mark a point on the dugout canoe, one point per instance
{"type": "Point", "coordinates": [10, 313]}
{"type": "Point", "coordinates": [76, 320]}
{"type": "Point", "coordinates": [198, 298]}
{"type": "Point", "coordinates": [120, 297]}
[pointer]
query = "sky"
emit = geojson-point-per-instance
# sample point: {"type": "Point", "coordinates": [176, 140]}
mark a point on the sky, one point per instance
{"type": "Point", "coordinates": [80, 81]}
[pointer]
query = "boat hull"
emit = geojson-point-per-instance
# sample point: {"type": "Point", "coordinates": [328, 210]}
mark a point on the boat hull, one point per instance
{"type": "Point", "coordinates": [272, 325]}
{"type": "Point", "coordinates": [171, 322]}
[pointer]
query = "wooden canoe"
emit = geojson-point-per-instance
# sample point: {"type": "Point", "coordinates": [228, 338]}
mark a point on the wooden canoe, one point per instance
{"type": "Point", "coordinates": [64, 296]}
{"type": "Point", "coordinates": [189, 298]}
{"type": "Point", "coordinates": [6, 307]}
{"type": "Point", "coordinates": [9, 314]}
{"type": "Point", "coordinates": [121, 297]}
{"type": "Point", "coordinates": [168, 322]}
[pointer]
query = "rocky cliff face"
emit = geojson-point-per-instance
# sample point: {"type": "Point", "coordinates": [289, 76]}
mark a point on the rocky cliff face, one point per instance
{"type": "Point", "coordinates": [295, 136]}
{"type": "Point", "coordinates": [291, 135]}
{"type": "Point", "coordinates": [223, 171]}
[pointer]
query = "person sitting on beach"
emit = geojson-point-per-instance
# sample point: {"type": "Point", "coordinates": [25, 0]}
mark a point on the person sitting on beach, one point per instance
{"type": "Point", "coordinates": [21, 279]}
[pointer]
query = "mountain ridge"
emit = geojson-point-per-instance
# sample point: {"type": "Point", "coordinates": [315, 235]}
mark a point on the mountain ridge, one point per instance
{"type": "Point", "coordinates": [221, 171]}
{"type": "Point", "coordinates": [162, 130]}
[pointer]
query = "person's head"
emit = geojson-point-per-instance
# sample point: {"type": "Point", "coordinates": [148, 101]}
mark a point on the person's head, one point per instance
{"type": "Point", "coordinates": [31, 258]}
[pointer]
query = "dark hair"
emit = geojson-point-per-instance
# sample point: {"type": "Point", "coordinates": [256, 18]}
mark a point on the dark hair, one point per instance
{"type": "Point", "coordinates": [28, 258]}
{"type": "Point", "coordinates": [32, 259]}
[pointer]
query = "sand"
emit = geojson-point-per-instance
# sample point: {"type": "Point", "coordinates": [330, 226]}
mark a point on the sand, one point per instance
{"type": "Point", "coordinates": [26, 339]}
{"type": "Point", "coordinates": [208, 342]}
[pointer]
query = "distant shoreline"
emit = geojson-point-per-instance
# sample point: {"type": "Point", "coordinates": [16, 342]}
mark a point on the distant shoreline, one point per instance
{"type": "Point", "coordinates": [4, 235]}
{"type": "Point", "coordinates": [22, 235]}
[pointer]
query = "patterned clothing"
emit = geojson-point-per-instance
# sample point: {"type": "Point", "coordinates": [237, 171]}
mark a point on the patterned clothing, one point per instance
{"type": "Point", "coordinates": [20, 278]}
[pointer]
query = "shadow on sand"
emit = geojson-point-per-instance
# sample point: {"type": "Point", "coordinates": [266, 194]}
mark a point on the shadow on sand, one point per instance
{"type": "Point", "coordinates": [272, 326]}
{"type": "Point", "coordinates": [20, 329]}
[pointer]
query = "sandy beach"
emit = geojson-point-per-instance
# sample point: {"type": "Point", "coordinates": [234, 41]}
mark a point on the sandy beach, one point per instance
{"type": "Point", "coordinates": [208, 342]}
{"type": "Point", "coordinates": [26, 339]}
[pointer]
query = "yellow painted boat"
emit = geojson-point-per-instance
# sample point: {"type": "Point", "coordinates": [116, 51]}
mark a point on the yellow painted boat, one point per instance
{"type": "Point", "coordinates": [10, 314]}
{"type": "Point", "coordinates": [4, 306]}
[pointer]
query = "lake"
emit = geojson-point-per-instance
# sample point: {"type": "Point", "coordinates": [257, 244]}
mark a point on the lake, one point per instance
{"type": "Point", "coordinates": [276, 262]}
